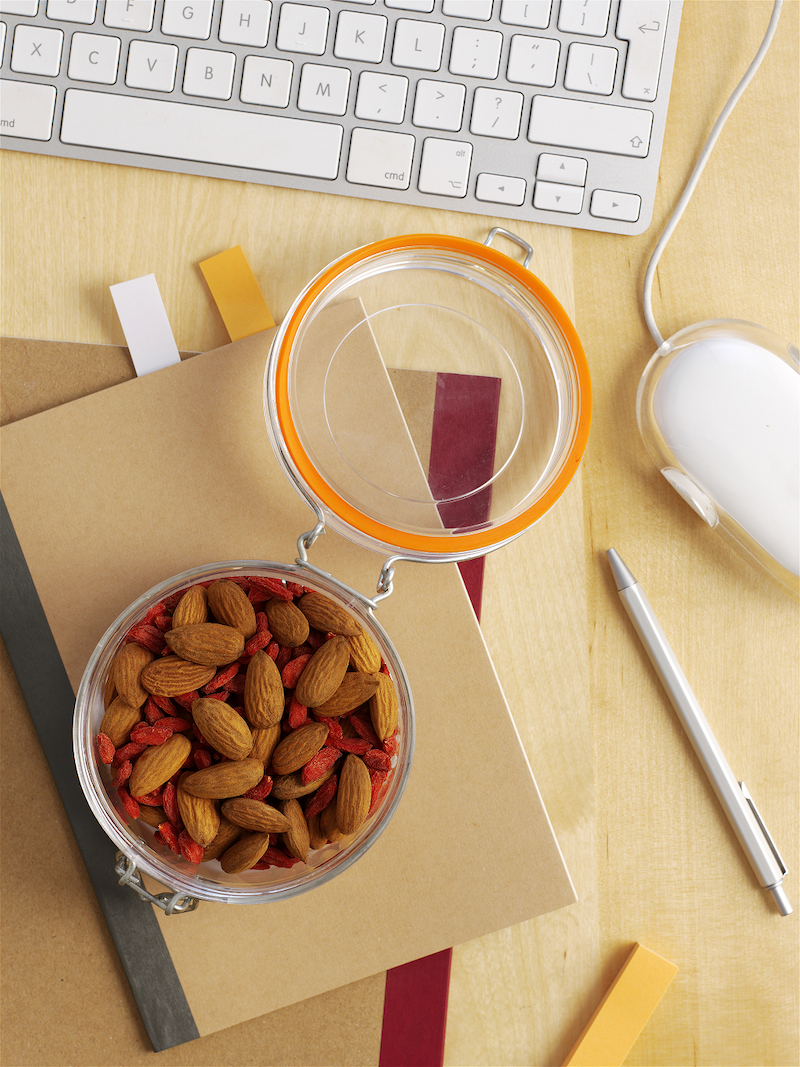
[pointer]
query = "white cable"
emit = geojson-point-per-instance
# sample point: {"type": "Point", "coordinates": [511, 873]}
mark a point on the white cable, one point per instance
{"type": "Point", "coordinates": [698, 170]}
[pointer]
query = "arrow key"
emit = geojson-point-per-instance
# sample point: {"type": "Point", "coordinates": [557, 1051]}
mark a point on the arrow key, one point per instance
{"type": "Point", "coordinates": [500, 189]}
{"type": "Point", "coordinates": [624, 207]}
{"type": "Point", "coordinates": [552, 196]}
{"type": "Point", "coordinates": [567, 170]}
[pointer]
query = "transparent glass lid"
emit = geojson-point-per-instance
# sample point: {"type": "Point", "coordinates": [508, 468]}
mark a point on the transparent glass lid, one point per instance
{"type": "Point", "coordinates": [429, 396]}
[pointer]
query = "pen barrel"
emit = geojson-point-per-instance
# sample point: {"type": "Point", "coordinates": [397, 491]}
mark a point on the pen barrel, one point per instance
{"type": "Point", "coordinates": [749, 833]}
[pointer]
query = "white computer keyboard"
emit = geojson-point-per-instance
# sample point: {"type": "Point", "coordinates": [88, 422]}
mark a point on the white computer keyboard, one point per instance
{"type": "Point", "coordinates": [523, 109]}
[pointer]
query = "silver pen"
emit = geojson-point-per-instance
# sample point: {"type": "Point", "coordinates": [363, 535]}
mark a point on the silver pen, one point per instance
{"type": "Point", "coordinates": [736, 801]}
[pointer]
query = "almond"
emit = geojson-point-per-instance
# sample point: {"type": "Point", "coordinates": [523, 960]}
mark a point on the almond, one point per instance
{"type": "Point", "coordinates": [157, 764]}
{"type": "Point", "coordinates": [296, 838]}
{"type": "Point", "coordinates": [119, 719]}
{"type": "Point", "coordinates": [264, 741]}
{"type": "Point", "coordinates": [230, 778]}
{"type": "Point", "coordinates": [191, 608]}
{"type": "Point", "coordinates": [200, 816]}
{"type": "Point", "coordinates": [353, 794]}
{"type": "Point", "coordinates": [365, 655]}
{"type": "Point", "coordinates": [315, 835]}
{"type": "Point", "coordinates": [298, 747]}
{"type": "Point", "coordinates": [383, 708]}
{"type": "Point", "coordinates": [172, 676]}
{"type": "Point", "coordinates": [323, 673]}
{"type": "Point", "coordinates": [211, 643]}
{"type": "Point", "coordinates": [129, 663]}
{"type": "Point", "coordinates": [230, 604]}
{"type": "Point", "coordinates": [287, 623]}
{"type": "Point", "coordinates": [286, 786]}
{"type": "Point", "coordinates": [328, 827]}
{"type": "Point", "coordinates": [356, 689]}
{"type": "Point", "coordinates": [152, 816]}
{"type": "Point", "coordinates": [254, 815]}
{"type": "Point", "coordinates": [263, 691]}
{"type": "Point", "coordinates": [327, 616]}
{"type": "Point", "coordinates": [244, 853]}
{"type": "Point", "coordinates": [226, 835]}
{"type": "Point", "coordinates": [223, 727]}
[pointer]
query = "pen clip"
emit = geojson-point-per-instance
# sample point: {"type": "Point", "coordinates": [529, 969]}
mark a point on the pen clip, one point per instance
{"type": "Point", "coordinates": [762, 824]}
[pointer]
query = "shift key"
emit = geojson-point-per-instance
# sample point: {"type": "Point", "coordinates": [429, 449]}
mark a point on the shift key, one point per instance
{"type": "Point", "coordinates": [26, 110]}
{"type": "Point", "coordinates": [590, 126]}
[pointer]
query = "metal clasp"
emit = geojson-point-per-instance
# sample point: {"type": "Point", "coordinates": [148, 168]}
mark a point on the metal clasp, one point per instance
{"type": "Point", "coordinates": [512, 237]}
{"type": "Point", "coordinates": [385, 579]}
{"type": "Point", "coordinates": [170, 903]}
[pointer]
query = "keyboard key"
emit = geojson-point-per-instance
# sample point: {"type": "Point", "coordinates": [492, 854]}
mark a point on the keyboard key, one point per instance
{"type": "Point", "coordinates": [550, 196]}
{"type": "Point", "coordinates": [381, 97]}
{"type": "Point", "coordinates": [500, 189]}
{"type": "Point", "coordinates": [360, 36]}
{"type": "Point", "coordinates": [624, 207]}
{"type": "Point", "coordinates": [266, 81]}
{"type": "Point", "coordinates": [584, 16]}
{"type": "Point", "coordinates": [94, 57]}
{"type": "Point", "coordinates": [532, 13]}
{"type": "Point", "coordinates": [380, 158]}
{"type": "Point", "coordinates": [324, 89]}
{"type": "Point", "coordinates": [245, 22]}
{"type": "Point", "coordinates": [568, 170]}
{"type": "Point", "coordinates": [418, 45]}
{"type": "Point", "coordinates": [303, 29]}
{"type": "Point", "coordinates": [19, 7]}
{"type": "Point", "coordinates": [475, 52]}
{"type": "Point", "coordinates": [129, 15]}
{"type": "Point", "coordinates": [26, 110]}
{"type": "Point", "coordinates": [591, 69]}
{"type": "Point", "coordinates": [37, 50]}
{"type": "Point", "coordinates": [151, 66]}
{"type": "Point", "coordinates": [643, 24]}
{"type": "Point", "coordinates": [209, 73]}
{"type": "Point", "coordinates": [82, 11]}
{"type": "Point", "coordinates": [2, 41]}
{"type": "Point", "coordinates": [411, 5]}
{"type": "Point", "coordinates": [496, 113]}
{"type": "Point", "coordinates": [188, 20]}
{"type": "Point", "coordinates": [201, 133]}
{"type": "Point", "coordinates": [444, 168]}
{"type": "Point", "coordinates": [590, 126]}
{"type": "Point", "coordinates": [533, 60]}
{"type": "Point", "coordinates": [439, 105]}
{"type": "Point", "coordinates": [468, 9]}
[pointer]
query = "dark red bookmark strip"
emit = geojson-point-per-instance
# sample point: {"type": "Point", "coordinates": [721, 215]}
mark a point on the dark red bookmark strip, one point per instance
{"type": "Point", "coordinates": [463, 440]}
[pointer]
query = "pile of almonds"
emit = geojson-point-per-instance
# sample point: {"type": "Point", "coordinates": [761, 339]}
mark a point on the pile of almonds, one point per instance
{"type": "Point", "coordinates": [250, 721]}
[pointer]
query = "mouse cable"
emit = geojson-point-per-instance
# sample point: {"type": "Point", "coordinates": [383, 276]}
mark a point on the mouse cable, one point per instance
{"type": "Point", "coordinates": [698, 170]}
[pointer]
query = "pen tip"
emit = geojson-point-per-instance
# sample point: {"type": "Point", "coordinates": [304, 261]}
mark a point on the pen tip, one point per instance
{"type": "Point", "coordinates": [622, 576]}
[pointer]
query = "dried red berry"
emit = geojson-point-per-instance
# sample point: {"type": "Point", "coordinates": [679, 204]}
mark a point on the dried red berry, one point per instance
{"type": "Point", "coordinates": [322, 797]}
{"type": "Point", "coordinates": [105, 748]}
{"type": "Point", "coordinates": [293, 669]}
{"type": "Point", "coordinates": [189, 848]}
{"type": "Point", "coordinates": [129, 804]}
{"type": "Point", "coordinates": [143, 734]}
{"type": "Point", "coordinates": [318, 764]}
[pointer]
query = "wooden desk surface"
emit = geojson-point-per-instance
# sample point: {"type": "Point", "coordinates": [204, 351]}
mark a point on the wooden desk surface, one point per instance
{"type": "Point", "coordinates": [650, 852]}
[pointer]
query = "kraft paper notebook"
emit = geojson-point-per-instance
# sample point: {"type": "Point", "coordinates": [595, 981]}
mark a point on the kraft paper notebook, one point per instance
{"type": "Point", "coordinates": [112, 492]}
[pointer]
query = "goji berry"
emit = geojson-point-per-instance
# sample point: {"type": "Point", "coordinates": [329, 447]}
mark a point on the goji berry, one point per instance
{"type": "Point", "coordinates": [262, 622]}
{"type": "Point", "coordinates": [163, 623]}
{"type": "Point", "coordinates": [167, 831]}
{"type": "Point", "coordinates": [378, 760]}
{"type": "Point", "coordinates": [123, 773]}
{"type": "Point", "coordinates": [273, 586]}
{"type": "Point", "coordinates": [149, 636]}
{"type": "Point", "coordinates": [236, 685]}
{"type": "Point", "coordinates": [322, 797]}
{"type": "Point", "coordinates": [202, 758]}
{"type": "Point", "coordinates": [152, 712]}
{"type": "Point", "coordinates": [257, 595]}
{"type": "Point", "coordinates": [189, 848]}
{"type": "Point", "coordinates": [187, 699]}
{"type": "Point", "coordinates": [150, 735]}
{"type": "Point", "coordinates": [273, 648]}
{"type": "Point", "coordinates": [319, 763]}
{"type": "Point", "coordinates": [377, 780]}
{"type": "Point", "coordinates": [129, 751]}
{"type": "Point", "coordinates": [154, 612]}
{"type": "Point", "coordinates": [283, 657]}
{"type": "Point", "coordinates": [315, 640]}
{"type": "Point", "coordinates": [259, 640]}
{"type": "Point", "coordinates": [176, 724]}
{"type": "Point", "coordinates": [297, 714]}
{"type": "Point", "coordinates": [295, 588]}
{"type": "Point", "coordinates": [129, 804]}
{"type": "Point", "coordinates": [151, 800]}
{"type": "Point", "coordinates": [334, 727]}
{"type": "Point", "coordinates": [359, 745]}
{"type": "Point", "coordinates": [221, 678]}
{"type": "Point", "coordinates": [391, 743]}
{"type": "Point", "coordinates": [263, 789]}
{"type": "Point", "coordinates": [105, 748]}
{"type": "Point", "coordinates": [170, 803]}
{"type": "Point", "coordinates": [364, 729]}
{"type": "Point", "coordinates": [276, 857]}
{"type": "Point", "coordinates": [164, 703]}
{"type": "Point", "coordinates": [221, 694]}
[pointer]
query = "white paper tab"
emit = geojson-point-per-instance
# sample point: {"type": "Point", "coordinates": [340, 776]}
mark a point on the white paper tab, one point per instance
{"type": "Point", "coordinates": [144, 321]}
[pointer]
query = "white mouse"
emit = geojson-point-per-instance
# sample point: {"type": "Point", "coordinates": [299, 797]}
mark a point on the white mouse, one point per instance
{"type": "Point", "coordinates": [719, 412]}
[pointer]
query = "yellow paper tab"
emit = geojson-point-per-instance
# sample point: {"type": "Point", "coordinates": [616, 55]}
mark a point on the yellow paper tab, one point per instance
{"type": "Point", "coordinates": [236, 293]}
{"type": "Point", "coordinates": [623, 1012]}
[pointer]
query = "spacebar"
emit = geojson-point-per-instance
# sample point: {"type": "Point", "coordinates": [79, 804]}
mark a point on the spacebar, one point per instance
{"type": "Point", "coordinates": [202, 134]}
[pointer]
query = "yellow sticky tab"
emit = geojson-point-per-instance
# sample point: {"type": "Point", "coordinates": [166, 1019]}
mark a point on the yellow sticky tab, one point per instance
{"type": "Point", "coordinates": [623, 1012]}
{"type": "Point", "coordinates": [236, 293]}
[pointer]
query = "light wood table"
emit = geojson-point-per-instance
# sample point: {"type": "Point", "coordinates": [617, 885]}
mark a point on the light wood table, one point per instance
{"type": "Point", "coordinates": [651, 854]}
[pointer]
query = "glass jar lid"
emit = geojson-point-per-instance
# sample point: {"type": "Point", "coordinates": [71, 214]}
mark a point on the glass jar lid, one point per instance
{"type": "Point", "coordinates": [414, 347]}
